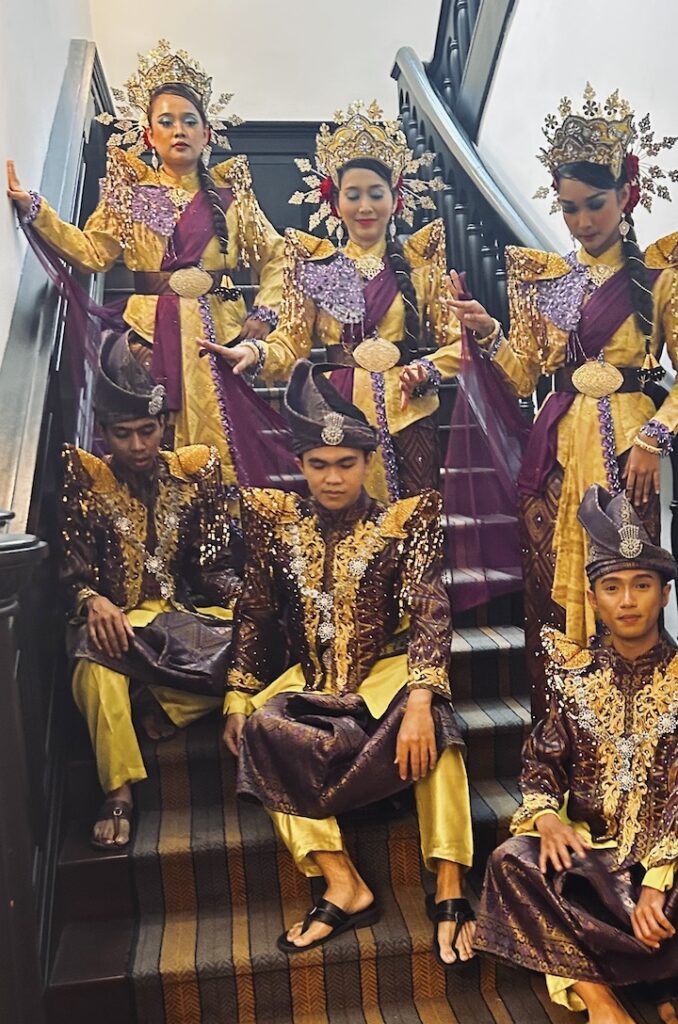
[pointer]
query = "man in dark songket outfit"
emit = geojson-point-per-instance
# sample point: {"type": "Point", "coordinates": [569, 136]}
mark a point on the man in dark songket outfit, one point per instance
{"type": "Point", "coordinates": [585, 892]}
{"type": "Point", "coordinates": [366, 709]}
{"type": "Point", "coordinates": [145, 535]}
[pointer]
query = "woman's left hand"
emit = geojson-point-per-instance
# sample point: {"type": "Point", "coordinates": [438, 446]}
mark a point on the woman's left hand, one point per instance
{"type": "Point", "coordinates": [412, 377]}
{"type": "Point", "coordinates": [416, 751]}
{"type": "Point", "coordinates": [253, 328]}
{"type": "Point", "coordinates": [642, 473]}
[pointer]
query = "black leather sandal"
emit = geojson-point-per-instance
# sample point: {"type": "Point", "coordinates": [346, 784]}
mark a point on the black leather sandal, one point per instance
{"type": "Point", "coordinates": [115, 811]}
{"type": "Point", "coordinates": [338, 919]}
{"type": "Point", "coordinates": [458, 910]}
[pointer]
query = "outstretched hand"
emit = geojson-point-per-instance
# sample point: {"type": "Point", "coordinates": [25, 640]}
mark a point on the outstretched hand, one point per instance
{"type": "Point", "coordinates": [240, 357]}
{"type": "Point", "coordinates": [469, 312]}
{"type": "Point", "coordinates": [19, 196]}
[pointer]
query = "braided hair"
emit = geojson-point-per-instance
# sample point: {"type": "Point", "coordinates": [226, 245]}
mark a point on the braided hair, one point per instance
{"type": "Point", "coordinates": [394, 253]}
{"type": "Point", "coordinates": [600, 176]}
{"type": "Point", "coordinates": [206, 183]}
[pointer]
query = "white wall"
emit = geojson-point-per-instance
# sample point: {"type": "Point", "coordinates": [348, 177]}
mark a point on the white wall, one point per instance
{"type": "Point", "coordinates": [34, 40]}
{"type": "Point", "coordinates": [551, 49]}
{"type": "Point", "coordinates": [283, 59]}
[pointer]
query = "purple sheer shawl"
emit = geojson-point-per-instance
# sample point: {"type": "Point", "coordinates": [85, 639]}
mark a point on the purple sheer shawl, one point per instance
{"type": "Point", "coordinates": [602, 315]}
{"type": "Point", "coordinates": [486, 441]}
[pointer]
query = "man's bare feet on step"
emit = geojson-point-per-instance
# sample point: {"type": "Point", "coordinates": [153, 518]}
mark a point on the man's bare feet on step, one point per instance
{"type": "Point", "coordinates": [114, 831]}
{"type": "Point", "coordinates": [156, 723]}
{"type": "Point", "coordinates": [602, 1004]}
{"type": "Point", "coordinates": [667, 1013]}
{"type": "Point", "coordinates": [449, 887]}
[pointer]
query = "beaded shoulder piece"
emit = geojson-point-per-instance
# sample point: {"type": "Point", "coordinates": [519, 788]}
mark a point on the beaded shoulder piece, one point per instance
{"type": "Point", "coordinates": [564, 653]}
{"type": "Point", "coordinates": [534, 265]}
{"type": "Point", "coordinates": [193, 461]}
{"type": "Point", "coordinates": [426, 244]}
{"type": "Point", "coordinates": [663, 253]}
{"type": "Point", "coordinates": [270, 504]}
{"type": "Point", "coordinates": [90, 472]}
{"type": "Point", "coordinates": [299, 245]}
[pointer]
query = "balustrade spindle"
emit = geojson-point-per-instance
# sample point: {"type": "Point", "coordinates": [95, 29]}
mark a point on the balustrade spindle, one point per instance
{"type": "Point", "coordinates": [459, 232]}
{"type": "Point", "coordinates": [463, 33]}
{"type": "Point", "coordinates": [473, 268]}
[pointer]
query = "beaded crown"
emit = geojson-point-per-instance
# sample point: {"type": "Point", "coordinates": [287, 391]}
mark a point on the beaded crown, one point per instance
{"type": "Point", "coordinates": [362, 132]}
{"type": "Point", "coordinates": [604, 132]}
{"type": "Point", "coordinates": [160, 66]}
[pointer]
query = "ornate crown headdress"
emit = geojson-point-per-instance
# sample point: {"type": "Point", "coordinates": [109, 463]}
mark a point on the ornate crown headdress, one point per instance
{"type": "Point", "coordinates": [604, 133]}
{"type": "Point", "coordinates": [160, 66]}
{"type": "Point", "coordinates": [362, 132]}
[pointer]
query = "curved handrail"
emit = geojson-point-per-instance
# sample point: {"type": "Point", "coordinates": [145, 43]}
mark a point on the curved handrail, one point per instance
{"type": "Point", "coordinates": [411, 71]}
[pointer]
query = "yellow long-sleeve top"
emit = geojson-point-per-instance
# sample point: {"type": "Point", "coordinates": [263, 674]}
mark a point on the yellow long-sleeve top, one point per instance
{"type": "Point", "coordinates": [135, 218]}
{"type": "Point", "coordinates": [305, 322]}
{"type": "Point", "coordinates": [536, 345]}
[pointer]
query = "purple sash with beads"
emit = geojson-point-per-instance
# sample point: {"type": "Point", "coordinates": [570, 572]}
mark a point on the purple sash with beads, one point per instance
{"type": "Point", "coordinates": [190, 238]}
{"type": "Point", "coordinates": [379, 295]}
{"type": "Point", "coordinates": [606, 310]}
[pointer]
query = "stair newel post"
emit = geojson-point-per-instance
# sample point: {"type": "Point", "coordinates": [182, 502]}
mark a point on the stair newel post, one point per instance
{"type": "Point", "coordinates": [473, 267]}
{"type": "Point", "coordinates": [21, 982]}
{"type": "Point", "coordinates": [463, 33]}
{"type": "Point", "coordinates": [502, 312]}
{"type": "Point", "coordinates": [460, 238]}
{"type": "Point", "coordinates": [488, 259]}
{"type": "Point", "coordinates": [455, 69]}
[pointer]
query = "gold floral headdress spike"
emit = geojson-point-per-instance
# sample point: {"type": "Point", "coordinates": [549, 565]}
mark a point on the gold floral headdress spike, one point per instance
{"type": "Point", "coordinates": [362, 132]}
{"type": "Point", "coordinates": [604, 133]}
{"type": "Point", "coordinates": [160, 66]}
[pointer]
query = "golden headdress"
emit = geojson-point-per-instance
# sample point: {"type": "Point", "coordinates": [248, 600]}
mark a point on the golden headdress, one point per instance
{"type": "Point", "coordinates": [604, 133]}
{"type": "Point", "coordinates": [362, 132]}
{"type": "Point", "coordinates": [160, 66]}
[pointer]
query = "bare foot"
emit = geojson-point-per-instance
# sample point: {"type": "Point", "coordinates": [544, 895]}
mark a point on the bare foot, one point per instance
{"type": "Point", "coordinates": [602, 1005]}
{"type": "Point", "coordinates": [157, 725]}
{"type": "Point", "coordinates": [667, 1013]}
{"type": "Point", "coordinates": [104, 830]}
{"type": "Point", "coordinates": [449, 887]}
{"type": "Point", "coordinates": [348, 892]}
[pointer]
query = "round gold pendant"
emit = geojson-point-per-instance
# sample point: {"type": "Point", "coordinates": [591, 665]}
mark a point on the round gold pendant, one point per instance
{"type": "Point", "coordinates": [190, 282]}
{"type": "Point", "coordinates": [597, 380]}
{"type": "Point", "coordinates": [376, 355]}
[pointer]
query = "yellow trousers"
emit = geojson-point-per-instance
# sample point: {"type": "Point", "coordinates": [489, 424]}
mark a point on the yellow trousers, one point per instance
{"type": "Point", "coordinates": [102, 697]}
{"type": "Point", "coordinates": [443, 810]}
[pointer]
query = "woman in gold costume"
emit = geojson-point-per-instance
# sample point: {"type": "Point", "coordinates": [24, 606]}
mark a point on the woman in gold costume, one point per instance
{"type": "Point", "coordinates": [377, 307]}
{"type": "Point", "coordinates": [180, 228]}
{"type": "Point", "coordinates": [597, 319]}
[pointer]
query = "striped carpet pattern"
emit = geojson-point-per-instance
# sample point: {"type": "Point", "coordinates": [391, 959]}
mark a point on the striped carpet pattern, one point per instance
{"type": "Point", "coordinates": [215, 887]}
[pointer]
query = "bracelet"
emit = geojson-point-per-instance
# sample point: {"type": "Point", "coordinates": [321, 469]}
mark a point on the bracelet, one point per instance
{"type": "Point", "coordinates": [639, 443]}
{"type": "Point", "coordinates": [82, 596]}
{"type": "Point", "coordinates": [661, 433]}
{"type": "Point", "coordinates": [259, 350]}
{"type": "Point", "coordinates": [434, 377]}
{"type": "Point", "coordinates": [33, 210]}
{"type": "Point", "coordinates": [265, 314]}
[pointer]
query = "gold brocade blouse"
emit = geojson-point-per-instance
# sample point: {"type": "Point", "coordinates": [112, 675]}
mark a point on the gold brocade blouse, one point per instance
{"type": "Point", "coordinates": [536, 346]}
{"type": "Point", "coordinates": [304, 323]}
{"type": "Point", "coordinates": [135, 218]}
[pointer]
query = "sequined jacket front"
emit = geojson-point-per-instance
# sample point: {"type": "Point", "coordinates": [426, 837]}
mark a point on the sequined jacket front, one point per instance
{"type": "Point", "coordinates": [342, 583]}
{"type": "Point", "coordinates": [166, 539]}
{"type": "Point", "coordinates": [610, 740]}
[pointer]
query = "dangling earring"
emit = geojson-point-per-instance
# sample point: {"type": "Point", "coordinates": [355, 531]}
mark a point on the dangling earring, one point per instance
{"type": "Point", "coordinates": [205, 156]}
{"type": "Point", "coordinates": [340, 234]}
{"type": "Point", "coordinates": [154, 160]}
{"type": "Point", "coordinates": [624, 227]}
{"type": "Point", "coordinates": [392, 229]}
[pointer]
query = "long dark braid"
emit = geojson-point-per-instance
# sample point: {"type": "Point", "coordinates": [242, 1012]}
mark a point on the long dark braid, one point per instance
{"type": "Point", "coordinates": [396, 258]}
{"type": "Point", "coordinates": [206, 183]}
{"type": "Point", "coordinates": [601, 177]}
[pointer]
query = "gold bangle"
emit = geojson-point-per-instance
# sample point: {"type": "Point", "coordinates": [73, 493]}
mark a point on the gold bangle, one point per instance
{"type": "Point", "coordinates": [652, 449]}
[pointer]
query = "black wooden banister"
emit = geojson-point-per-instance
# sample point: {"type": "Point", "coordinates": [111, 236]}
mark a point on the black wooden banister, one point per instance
{"type": "Point", "coordinates": [413, 82]}
{"type": "Point", "coordinates": [20, 967]}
